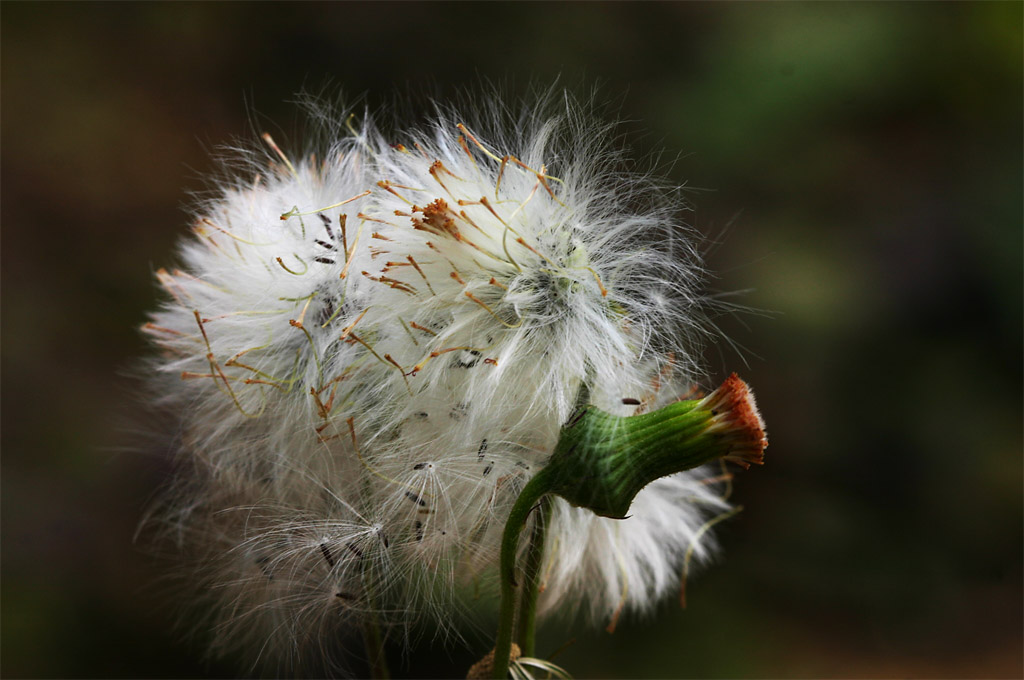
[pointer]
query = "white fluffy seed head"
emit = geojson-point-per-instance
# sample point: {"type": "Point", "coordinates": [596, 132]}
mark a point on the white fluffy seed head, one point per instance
{"type": "Point", "coordinates": [371, 352]}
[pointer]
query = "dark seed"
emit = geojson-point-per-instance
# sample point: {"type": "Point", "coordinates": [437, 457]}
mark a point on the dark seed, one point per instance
{"type": "Point", "coordinates": [327, 554]}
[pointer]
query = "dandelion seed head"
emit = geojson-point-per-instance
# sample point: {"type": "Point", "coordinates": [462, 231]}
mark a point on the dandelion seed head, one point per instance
{"type": "Point", "coordinates": [371, 352]}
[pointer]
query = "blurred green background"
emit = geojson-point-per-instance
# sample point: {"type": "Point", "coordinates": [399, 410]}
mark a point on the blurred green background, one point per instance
{"type": "Point", "coordinates": [859, 167]}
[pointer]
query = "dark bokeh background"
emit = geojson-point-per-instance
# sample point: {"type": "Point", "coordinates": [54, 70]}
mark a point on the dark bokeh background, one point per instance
{"type": "Point", "coordinates": [866, 167]}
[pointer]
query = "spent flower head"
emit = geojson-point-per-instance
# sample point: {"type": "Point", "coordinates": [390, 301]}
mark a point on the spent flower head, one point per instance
{"type": "Point", "coordinates": [372, 350]}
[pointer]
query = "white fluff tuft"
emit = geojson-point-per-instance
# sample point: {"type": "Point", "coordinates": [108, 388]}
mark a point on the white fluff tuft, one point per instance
{"type": "Point", "coordinates": [372, 351]}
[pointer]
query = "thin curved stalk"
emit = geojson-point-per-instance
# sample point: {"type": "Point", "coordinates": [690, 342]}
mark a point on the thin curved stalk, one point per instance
{"type": "Point", "coordinates": [526, 627]}
{"type": "Point", "coordinates": [535, 489]}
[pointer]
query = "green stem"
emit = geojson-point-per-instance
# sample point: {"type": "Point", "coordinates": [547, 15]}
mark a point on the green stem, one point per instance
{"type": "Point", "coordinates": [374, 644]}
{"type": "Point", "coordinates": [527, 625]}
{"type": "Point", "coordinates": [535, 489]}
{"type": "Point", "coordinates": [373, 641]}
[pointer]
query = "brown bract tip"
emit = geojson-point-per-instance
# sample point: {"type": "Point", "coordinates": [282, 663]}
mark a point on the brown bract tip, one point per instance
{"type": "Point", "coordinates": [735, 416]}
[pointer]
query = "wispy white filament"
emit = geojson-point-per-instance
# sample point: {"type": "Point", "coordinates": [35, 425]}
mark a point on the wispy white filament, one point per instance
{"type": "Point", "coordinates": [372, 350]}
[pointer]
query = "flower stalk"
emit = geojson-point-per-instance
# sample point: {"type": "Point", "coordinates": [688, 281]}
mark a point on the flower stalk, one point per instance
{"type": "Point", "coordinates": [532, 493]}
{"type": "Point", "coordinates": [374, 644]}
{"type": "Point", "coordinates": [526, 626]}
